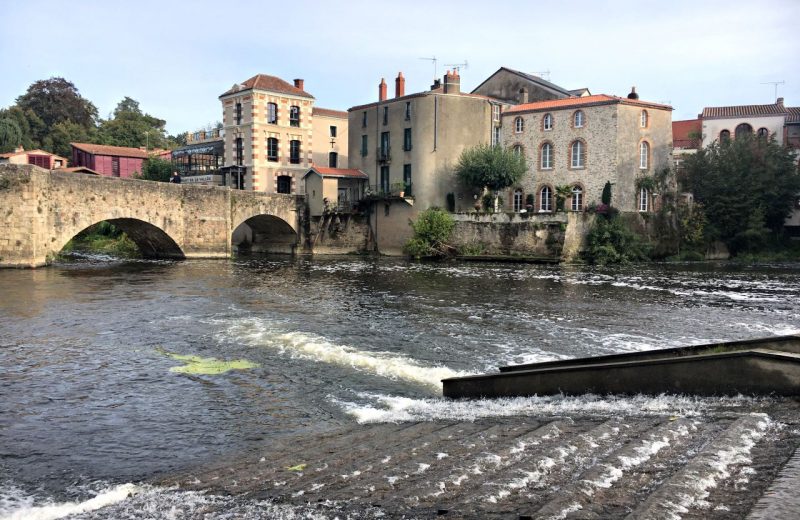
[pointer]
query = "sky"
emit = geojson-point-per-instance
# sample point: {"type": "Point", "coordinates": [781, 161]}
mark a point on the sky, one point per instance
{"type": "Point", "coordinates": [176, 58]}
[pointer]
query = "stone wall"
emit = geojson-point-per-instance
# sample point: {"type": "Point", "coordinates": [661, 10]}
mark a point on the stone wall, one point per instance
{"type": "Point", "coordinates": [339, 235]}
{"type": "Point", "coordinates": [508, 234]}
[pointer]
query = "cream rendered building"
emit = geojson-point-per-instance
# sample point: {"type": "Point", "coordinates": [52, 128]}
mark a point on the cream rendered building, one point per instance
{"type": "Point", "coordinates": [271, 135]}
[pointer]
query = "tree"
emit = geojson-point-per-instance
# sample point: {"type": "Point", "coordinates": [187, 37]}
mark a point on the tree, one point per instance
{"type": "Point", "coordinates": [66, 132]}
{"type": "Point", "coordinates": [155, 169]}
{"type": "Point", "coordinates": [129, 126]}
{"type": "Point", "coordinates": [432, 231]}
{"type": "Point", "coordinates": [490, 167]}
{"type": "Point", "coordinates": [53, 101]}
{"type": "Point", "coordinates": [10, 135]}
{"type": "Point", "coordinates": [746, 186]}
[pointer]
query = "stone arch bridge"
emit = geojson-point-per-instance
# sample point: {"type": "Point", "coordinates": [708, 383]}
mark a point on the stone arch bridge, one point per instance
{"type": "Point", "coordinates": [40, 211]}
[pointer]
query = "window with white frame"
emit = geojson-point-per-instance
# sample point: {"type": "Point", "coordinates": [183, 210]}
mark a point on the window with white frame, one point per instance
{"type": "Point", "coordinates": [496, 136]}
{"type": "Point", "coordinates": [577, 198]}
{"type": "Point", "coordinates": [517, 201]}
{"type": "Point", "coordinates": [578, 119]}
{"type": "Point", "coordinates": [496, 113]}
{"type": "Point", "coordinates": [546, 199]}
{"type": "Point", "coordinates": [644, 155]}
{"type": "Point", "coordinates": [547, 156]}
{"type": "Point", "coordinates": [643, 120]}
{"type": "Point", "coordinates": [577, 154]}
{"type": "Point", "coordinates": [517, 149]}
{"type": "Point", "coordinates": [519, 125]}
{"type": "Point", "coordinates": [547, 122]}
{"type": "Point", "coordinates": [644, 200]}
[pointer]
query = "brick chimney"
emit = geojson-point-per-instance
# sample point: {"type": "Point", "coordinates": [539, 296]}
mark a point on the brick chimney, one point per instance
{"type": "Point", "coordinates": [382, 90]}
{"type": "Point", "coordinates": [399, 85]}
{"type": "Point", "coordinates": [523, 96]}
{"type": "Point", "coordinates": [452, 82]}
{"type": "Point", "coordinates": [298, 83]}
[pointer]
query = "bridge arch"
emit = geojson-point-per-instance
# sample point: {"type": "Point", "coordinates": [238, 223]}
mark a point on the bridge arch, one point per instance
{"type": "Point", "coordinates": [152, 241]}
{"type": "Point", "coordinates": [264, 233]}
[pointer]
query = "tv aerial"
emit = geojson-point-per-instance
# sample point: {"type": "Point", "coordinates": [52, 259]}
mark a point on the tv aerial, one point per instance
{"type": "Point", "coordinates": [457, 66]}
{"type": "Point", "coordinates": [435, 61]}
{"type": "Point", "coordinates": [775, 84]}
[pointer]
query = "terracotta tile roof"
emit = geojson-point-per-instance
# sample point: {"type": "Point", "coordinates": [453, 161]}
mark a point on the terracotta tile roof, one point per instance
{"type": "Point", "coordinates": [102, 149]}
{"type": "Point", "coordinates": [338, 172]}
{"type": "Point", "coordinates": [681, 131]}
{"type": "Point", "coordinates": [326, 112]}
{"type": "Point", "coordinates": [743, 111]}
{"type": "Point", "coordinates": [268, 83]}
{"type": "Point", "coordinates": [794, 115]}
{"type": "Point", "coordinates": [77, 169]}
{"type": "Point", "coordinates": [594, 100]}
{"type": "Point", "coordinates": [26, 152]}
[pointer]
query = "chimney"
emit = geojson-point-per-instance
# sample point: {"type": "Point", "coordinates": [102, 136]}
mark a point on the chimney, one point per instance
{"type": "Point", "coordinates": [298, 83]}
{"type": "Point", "coordinates": [399, 85]}
{"type": "Point", "coordinates": [633, 94]}
{"type": "Point", "coordinates": [19, 149]}
{"type": "Point", "coordinates": [523, 95]}
{"type": "Point", "coordinates": [780, 101]}
{"type": "Point", "coordinates": [436, 84]}
{"type": "Point", "coordinates": [382, 90]}
{"type": "Point", "coordinates": [452, 82]}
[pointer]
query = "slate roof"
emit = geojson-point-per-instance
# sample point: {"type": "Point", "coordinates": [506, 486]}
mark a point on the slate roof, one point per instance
{"type": "Point", "coordinates": [268, 83]}
{"type": "Point", "coordinates": [340, 173]}
{"type": "Point", "coordinates": [594, 100]}
{"type": "Point", "coordinates": [102, 149]}
{"type": "Point", "coordinates": [530, 77]}
{"type": "Point", "coordinates": [681, 131]}
{"type": "Point", "coordinates": [327, 112]}
{"type": "Point", "coordinates": [743, 111]}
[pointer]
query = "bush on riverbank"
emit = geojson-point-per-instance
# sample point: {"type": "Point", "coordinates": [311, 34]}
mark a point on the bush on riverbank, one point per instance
{"type": "Point", "coordinates": [611, 242]}
{"type": "Point", "coordinates": [432, 231]}
{"type": "Point", "coordinates": [103, 238]}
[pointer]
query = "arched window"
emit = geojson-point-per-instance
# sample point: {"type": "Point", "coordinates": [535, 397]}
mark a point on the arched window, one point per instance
{"type": "Point", "coordinates": [644, 155]}
{"type": "Point", "coordinates": [545, 200]}
{"type": "Point", "coordinates": [725, 136]}
{"type": "Point", "coordinates": [643, 120]}
{"type": "Point", "coordinates": [577, 198]}
{"type": "Point", "coordinates": [578, 154]}
{"type": "Point", "coordinates": [517, 149]}
{"type": "Point", "coordinates": [519, 125]}
{"type": "Point", "coordinates": [517, 200]}
{"type": "Point", "coordinates": [547, 122]}
{"type": "Point", "coordinates": [547, 156]}
{"type": "Point", "coordinates": [743, 129]}
{"type": "Point", "coordinates": [578, 119]}
{"type": "Point", "coordinates": [763, 133]}
{"type": "Point", "coordinates": [644, 200]}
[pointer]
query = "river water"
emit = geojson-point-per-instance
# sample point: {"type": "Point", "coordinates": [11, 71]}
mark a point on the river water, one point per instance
{"type": "Point", "coordinates": [99, 395]}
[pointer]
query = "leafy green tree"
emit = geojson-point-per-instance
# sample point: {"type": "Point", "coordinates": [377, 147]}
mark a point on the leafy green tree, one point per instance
{"type": "Point", "coordinates": [27, 121]}
{"type": "Point", "coordinates": [66, 132]}
{"type": "Point", "coordinates": [129, 126]}
{"type": "Point", "coordinates": [53, 101]}
{"type": "Point", "coordinates": [746, 186]}
{"type": "Point", "coordinates": [490, 167]}
{"type": "Point", "coordinates": [10, 135]}
{"type": "Point", "coordinates": [432, 231]}
{"type": "Point", "coordinates": [155, 169]}
{"type": "Point", "coordinates": [605, 198]}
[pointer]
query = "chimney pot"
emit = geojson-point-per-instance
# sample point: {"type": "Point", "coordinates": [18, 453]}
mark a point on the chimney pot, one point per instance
{"type": "Point", "coordinates": [382, 90]}
{"type": "Point", "coordinates": [452, 83]}
{"type": "Point", "coordinates": [298, 83]}
{"type": "Point", "coordinates": [633, 94]}
{"type": "Point", "coordinates": [399, 85]}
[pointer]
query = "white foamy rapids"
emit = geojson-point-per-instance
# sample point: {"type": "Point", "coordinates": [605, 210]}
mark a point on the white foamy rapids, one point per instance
{"type": "Point", "coordinates": [317, 348]}
{"type": "Point", "coordinates": [22, 507]}
{"type": "Point", "coordinates": [385, 408]}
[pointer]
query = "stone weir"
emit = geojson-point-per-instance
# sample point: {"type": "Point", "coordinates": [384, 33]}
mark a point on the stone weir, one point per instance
{"type": "Point", "coordinates": [692, 459]}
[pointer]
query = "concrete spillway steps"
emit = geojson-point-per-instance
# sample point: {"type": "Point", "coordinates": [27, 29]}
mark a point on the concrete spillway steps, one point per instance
{"type": "Point", "coordinates": [713, 466]}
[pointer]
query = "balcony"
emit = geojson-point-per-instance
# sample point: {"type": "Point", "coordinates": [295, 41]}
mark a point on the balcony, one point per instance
{"type": "Point", "coordinates": [384, 154]}
{"type": "Point", "coordinates": [396, 190]}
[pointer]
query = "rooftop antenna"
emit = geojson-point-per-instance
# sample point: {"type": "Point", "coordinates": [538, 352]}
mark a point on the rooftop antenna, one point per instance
{"type": "Point", "coordinates": [457, 66]}
{"type": "Point", "coordinates": [775, 84]}
{"type": "Point", "coordinates": [542, 74]}
{"type": "Point", "coordinates": [435, 61]}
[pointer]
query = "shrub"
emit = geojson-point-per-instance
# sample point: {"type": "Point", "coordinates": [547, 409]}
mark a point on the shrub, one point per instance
{"type": "Point", "coordinates": [432, 231]}
{"type": "Point", "coordinates": [611, 242]}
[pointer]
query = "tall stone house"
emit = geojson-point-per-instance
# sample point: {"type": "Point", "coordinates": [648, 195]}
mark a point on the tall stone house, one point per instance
{"type": "Point", "coordinates": [274, 134]}
{"type": "Point", "coordinates": [584, 143]}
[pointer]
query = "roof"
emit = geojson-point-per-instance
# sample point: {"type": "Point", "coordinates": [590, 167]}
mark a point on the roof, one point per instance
{"type": "Point", "coordinates": [794, 115]}
{"type": "Point", "coordinates": [103, 149]}
{"type": "Point", "coordinates": [26, 152]}
{"type": "Point", "coordinates": [774, 109]}
{"type": "Point", "coordinates": [530, 77]}
{"type": "Point", "coordinates": [681, 131]}
{"type": "Point", "coordinates": [77, 169]}
{"type": "Point", "coordinates": [338, 173]}
{"type": "Point", "coordinates": [326, 112]}
{"type": "Point", "coordinates": [597, 99]}
{"type": "Point", "coordinates": [437, 91]}
{"type": "Point", "coordinates": [269, 83]}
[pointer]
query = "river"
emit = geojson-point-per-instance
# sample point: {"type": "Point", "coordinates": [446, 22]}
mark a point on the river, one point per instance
{"type": "Point", "coordinates": [106, 381]}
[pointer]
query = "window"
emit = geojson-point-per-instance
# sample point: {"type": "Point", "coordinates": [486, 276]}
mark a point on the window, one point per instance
{"type": "Point", "coordinates": [763, 133]}
{"type": "Point", "coordinates": [294, 151]}
{"type": "Point", "coordinates": [294, 115]}
{"type": "Point", "coordinates": [364, 149]}
{"type": "Point", "coordinates": [364, 118]}
{"type": "Point", "coordinates": [545, 199]}
{"type": "Point", "coordinates": [578, 119]}
{"type": "Point", "coordinates": [384, 151]}
{"type": "Point", "coordinates": [517, 202]}
{"type": "Point", "coordinates": [578, 154]}
{"type": "Point", "coordinates": [496, 113]}
{"type": "Point", "coordinates": [239, 151]}
{"type": "Point", "coordinates": [238, 113]}
{"type": "Point", "coordinates": [284, 184]}
{"type": "Point", "coordinates": [517, 149]}
{"type": "Point", "coordinates": [644, 200]}
{"type": "Point", "coordinates": [333, 159]}
{"type": "Point", "coordinates": [496, 136]}
{"type": "Point", "coordinates": [643, 120]}
{"type": "Point", "coordinates": [272, 149]}
{"type": "Point", "coordinates": [743, 129]}
{"type": "Point", "coordinates": [272, 113]}
{"type": "Point", "coordinates": [386, 115]}
{"type": "Point", "coordinates": [407, 139]}
{"type": "Point", "coordinates": [725, 136]}
{"type": "Point", "coordinates": [547, 122]}
{"type": "Point", "coordinates": [333, 131]}
{"type": "Point", "coordinates": [384, 179]}
{"type": "Point", "coordinates": [644, 155]}
{"type": "Point", "coordinates": [547, 156]}
{"type": "Point", "coordinates": [577, 198]}
{"type": "Point", "coordinates": [42, 161]}
{"type": "Point", "coordinates": [407, 179]}
{"type": "Point", "coordinates": [408, 110]}
{"type": "Point", "coordinates": [519, 125]}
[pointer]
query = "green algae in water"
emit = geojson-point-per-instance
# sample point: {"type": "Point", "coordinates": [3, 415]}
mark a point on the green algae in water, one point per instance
{"type": "Point", "coordinates": [197, 365]}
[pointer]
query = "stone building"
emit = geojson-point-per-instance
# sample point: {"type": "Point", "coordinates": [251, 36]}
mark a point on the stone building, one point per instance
{"type": "Point", "coordinates": [271, 139]}
{"type": "Point", "coordinates": [585, 142]}
{"type": "Point", "coordinates": [41, 158]}
{"type": "Point", "coordinates": [514, 88]}
{"type": "Point", "coordinates": [727, 122]}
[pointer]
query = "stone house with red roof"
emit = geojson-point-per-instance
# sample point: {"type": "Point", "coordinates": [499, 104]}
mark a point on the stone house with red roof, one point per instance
{"type": "Point", "coordinates": [271, 137]}
{"type": "Point", "coordinates": [727, 122]}
{"type": "Point", "coordinates": [333, 189]}
{"type": "Point", "coordinates": [41, 158]}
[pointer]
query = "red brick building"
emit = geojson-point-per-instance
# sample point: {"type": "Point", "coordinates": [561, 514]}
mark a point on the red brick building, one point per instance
{"type": "Point", "coordinates": [111, 161]}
